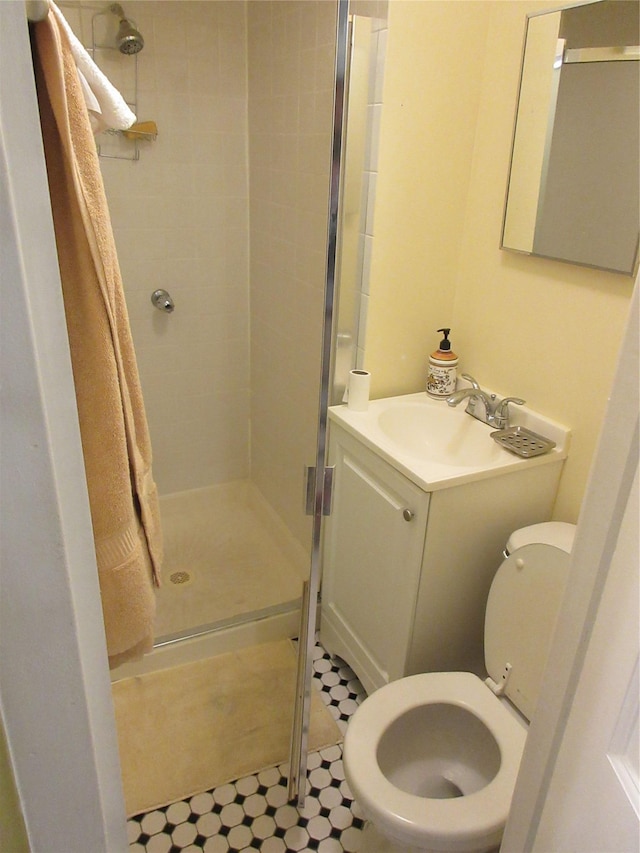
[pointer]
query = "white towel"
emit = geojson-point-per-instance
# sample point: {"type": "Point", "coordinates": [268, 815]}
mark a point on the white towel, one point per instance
{"type": "Point", "coordinates": [107, 108]}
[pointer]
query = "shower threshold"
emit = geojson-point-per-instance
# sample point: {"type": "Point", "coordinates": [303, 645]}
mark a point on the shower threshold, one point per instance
{"type": "Point", "coordinates": [262, 626]}
{"type": "Point", "coordinates": [224, 624]}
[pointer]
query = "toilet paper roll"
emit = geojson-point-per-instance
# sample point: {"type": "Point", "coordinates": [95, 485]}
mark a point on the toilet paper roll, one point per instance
{"type": "Point", "coordinates": [359, 384]}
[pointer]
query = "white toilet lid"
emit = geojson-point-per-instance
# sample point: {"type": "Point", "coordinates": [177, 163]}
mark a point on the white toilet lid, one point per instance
{"type": "Point", "coordinates": [521, 613]}
{"type": "Point", "coordinates": [414, 820]}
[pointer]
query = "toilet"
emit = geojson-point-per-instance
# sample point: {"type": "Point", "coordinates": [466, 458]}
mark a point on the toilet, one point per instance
{"type": "Point", "coordinates": [432, 759]}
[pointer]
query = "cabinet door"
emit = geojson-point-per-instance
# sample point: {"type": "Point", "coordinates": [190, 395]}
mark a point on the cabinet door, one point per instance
{"type": "Point", "coordinates": [373, 551]}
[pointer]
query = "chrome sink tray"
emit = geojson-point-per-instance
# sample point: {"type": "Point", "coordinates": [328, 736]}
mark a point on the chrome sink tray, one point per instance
{"type": "Point", "coordinates": [522, 441]}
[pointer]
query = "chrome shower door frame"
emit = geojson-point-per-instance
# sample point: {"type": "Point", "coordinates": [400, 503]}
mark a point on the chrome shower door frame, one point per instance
{"type": "Point", "coordinates": [317, 493]}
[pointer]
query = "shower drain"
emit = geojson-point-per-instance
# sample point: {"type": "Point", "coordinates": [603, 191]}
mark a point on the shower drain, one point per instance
{"type": "Point", "coordinates": [180, 578]}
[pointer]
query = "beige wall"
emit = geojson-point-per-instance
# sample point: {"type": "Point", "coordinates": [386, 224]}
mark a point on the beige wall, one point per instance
{"type": "Point", "coordinates": [530, 327]}
{"type": "Point", "coordinates": [424, 164]}
{"type": "Point", "coordinates": [291, 68]}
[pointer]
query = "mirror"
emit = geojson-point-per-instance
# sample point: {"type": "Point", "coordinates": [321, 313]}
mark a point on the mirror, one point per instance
{"type": "Point", "coordinates": [573, 192]}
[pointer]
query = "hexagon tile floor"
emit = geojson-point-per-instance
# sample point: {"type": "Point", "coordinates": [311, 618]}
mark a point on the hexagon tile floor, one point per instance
{"type": "Point", "coordinates": [253, 813]}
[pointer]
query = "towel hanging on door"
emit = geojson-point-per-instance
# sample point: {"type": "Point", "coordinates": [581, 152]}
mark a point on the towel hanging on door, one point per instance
{"type": "Point", "coordinates": [115, 439]}
{"type": "Point", "coordinates": [106, 106]}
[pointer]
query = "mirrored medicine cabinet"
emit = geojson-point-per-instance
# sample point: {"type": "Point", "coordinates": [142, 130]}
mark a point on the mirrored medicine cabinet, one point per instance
{"type": "Point", "coordinates": [574, 181]}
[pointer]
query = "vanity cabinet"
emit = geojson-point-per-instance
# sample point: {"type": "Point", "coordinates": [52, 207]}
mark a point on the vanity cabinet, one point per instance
{"type": "Point", "coordinates": [406, 572]}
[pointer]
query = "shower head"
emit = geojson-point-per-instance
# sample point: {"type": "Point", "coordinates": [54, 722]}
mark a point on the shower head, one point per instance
{"type": "Point", "coordinates": [128, 39]}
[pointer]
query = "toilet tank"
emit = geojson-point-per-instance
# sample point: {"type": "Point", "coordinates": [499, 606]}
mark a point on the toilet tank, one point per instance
{"type": "Point", "coordinates": [522, 609]}
{"type": "Point", "coordinates": [558, 533]}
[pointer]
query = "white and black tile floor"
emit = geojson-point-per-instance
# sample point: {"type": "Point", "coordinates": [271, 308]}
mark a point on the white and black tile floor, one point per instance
{"type": "Point", "coordinates": [253, 813]}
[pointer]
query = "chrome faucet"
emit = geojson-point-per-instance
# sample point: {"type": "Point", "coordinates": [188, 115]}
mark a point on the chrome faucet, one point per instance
{"type": "Point", "coordinates": [493, 411]}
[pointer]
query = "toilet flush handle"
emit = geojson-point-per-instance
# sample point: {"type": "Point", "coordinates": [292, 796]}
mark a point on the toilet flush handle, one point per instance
{"type": "Point", "coordinates": [499, 687]}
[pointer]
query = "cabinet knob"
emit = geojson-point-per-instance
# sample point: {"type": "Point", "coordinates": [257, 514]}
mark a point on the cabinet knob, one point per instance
{"type": "Point", "coordinates": [407, 514]}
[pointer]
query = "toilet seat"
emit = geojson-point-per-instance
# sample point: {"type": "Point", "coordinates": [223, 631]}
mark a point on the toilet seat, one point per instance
{"type": "Point", "coordinates": [474, 821]}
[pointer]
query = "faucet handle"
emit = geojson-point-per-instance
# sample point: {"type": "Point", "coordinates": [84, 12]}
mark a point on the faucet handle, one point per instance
{"type": "Point", "coordinates": [470, 379]}
{"type": "Point", "coordinates": [505, 402]}
{"type": "Point", "coordinates": [502, 411]}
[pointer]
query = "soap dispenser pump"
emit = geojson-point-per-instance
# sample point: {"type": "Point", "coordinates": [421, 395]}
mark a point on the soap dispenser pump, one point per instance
{"type": "Point", "coordinates": [441, 379]}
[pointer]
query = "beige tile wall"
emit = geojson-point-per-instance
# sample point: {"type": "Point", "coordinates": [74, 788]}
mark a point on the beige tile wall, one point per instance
{"type": "Point", "coordinates": [181, 222]}
{"type": "Point", "coordinates": [380, 33]}
{"type": "Point", "coordinates": [291, 69]}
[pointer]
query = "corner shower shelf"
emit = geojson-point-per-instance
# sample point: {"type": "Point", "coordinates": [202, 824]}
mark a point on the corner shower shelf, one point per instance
{"type": "Point", "coordinates": [131, 135]}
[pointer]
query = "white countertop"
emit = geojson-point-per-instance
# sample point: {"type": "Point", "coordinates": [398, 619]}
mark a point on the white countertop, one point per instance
{"type": "Point", "coordinates": [457, 439]}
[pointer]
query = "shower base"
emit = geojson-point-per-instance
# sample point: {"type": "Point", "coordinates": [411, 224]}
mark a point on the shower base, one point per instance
{"type": "Point", "coordinates": [232, 577]}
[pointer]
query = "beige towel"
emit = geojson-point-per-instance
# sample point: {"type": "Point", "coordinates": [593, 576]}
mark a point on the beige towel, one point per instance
{"type": "Point", "coordinates": [115, 440]}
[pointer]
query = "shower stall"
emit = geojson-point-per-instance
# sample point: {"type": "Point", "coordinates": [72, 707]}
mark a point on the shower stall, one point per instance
{"type": "Point", "coordinates": [226, 212]}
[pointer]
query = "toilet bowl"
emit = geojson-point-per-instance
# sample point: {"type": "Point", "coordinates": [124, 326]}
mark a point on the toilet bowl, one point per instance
{"type": "Point", "coordinates": [432, 759]}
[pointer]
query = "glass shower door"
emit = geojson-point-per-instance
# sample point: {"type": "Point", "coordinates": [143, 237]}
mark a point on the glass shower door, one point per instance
{"type": "Point", "coordinates": [318, 482]}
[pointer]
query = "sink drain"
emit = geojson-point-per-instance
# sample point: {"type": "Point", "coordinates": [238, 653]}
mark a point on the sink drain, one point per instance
{"type": "Point", "coordinates": [181, 578]}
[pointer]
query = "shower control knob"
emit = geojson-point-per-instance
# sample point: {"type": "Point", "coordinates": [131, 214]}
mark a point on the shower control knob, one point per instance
{"type": "Point", "coordinates": [162, 301]}
{"type": "Point", "coordinates": [407, 515]}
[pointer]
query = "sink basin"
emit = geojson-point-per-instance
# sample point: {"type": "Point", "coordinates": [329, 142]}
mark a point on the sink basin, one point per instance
{"type": "Point", "coordinates": [437, 433]}
{"type": "Point", "coordinates": [438, 446]}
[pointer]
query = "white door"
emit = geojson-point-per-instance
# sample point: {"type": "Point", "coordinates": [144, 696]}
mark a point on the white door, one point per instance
{"type": "Point", "coordinates": [578, 788]}
{"type": "Point", "coordinates": [592, 802]}
{"type": "Point", "coordinates": [55, 692]}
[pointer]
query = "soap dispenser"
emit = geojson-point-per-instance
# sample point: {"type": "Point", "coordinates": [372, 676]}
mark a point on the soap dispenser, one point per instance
{"type": "Point", "coordinates": [441, 379]}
